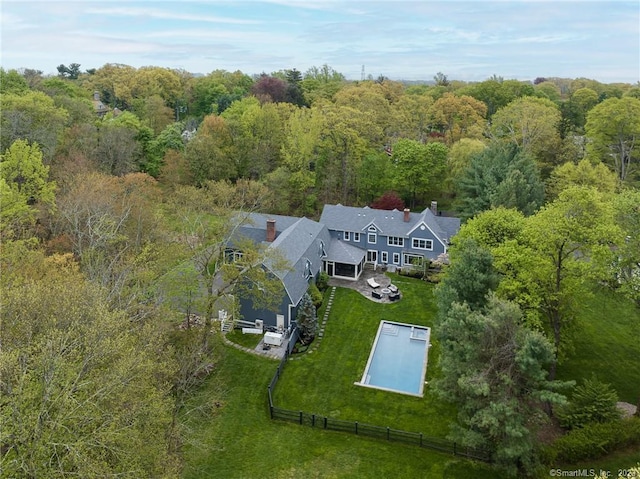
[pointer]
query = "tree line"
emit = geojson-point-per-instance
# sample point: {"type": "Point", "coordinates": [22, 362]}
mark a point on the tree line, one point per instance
{"type": "Point", "coordinates": [113, 228]}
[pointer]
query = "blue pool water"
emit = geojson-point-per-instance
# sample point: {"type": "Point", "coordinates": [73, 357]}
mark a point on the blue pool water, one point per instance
{"type": "Point", "coordinates": [398, 359]}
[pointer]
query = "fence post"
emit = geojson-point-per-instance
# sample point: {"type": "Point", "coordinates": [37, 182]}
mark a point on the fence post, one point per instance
{"type": "Point", "coordinates": [420, 439]}
{"type": "Point", "coordinates": [387, 433]}
{"type": "Point", "coordinates": [356, 428]}
{"type": "Point", "coordinates": [454, 448]}
{"type": "Point", "coordinates": [300, 417]}
{"type": "Point", "coordinates": [325, 422]}
{"type": "Point", "coordinates": [313, 420]}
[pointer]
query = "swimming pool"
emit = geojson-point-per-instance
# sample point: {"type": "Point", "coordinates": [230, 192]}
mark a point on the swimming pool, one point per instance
{"type": "Point", "coordinates": [398, 359]}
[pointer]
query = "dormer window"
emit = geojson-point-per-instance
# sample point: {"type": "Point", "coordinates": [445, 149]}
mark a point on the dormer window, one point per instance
{"type": "Point", "coordinates": [307, 269]}
{"type": "Point", "coordinates": [322, 250]}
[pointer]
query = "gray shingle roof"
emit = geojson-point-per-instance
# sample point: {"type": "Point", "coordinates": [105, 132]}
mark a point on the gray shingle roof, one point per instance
{"type": "Point", "coordinates": [342, 252]}
{"type": "Point", "coordinates": [297, 240]}
{"type": "Point", "coordinates": [390, 223]}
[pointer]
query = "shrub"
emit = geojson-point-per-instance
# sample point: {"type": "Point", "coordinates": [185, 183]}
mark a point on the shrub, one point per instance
{"type": "Point", "coordinates": [592, 401]}
{"type": "Point", "coordinates": [316, 295]}
{"type": "Point", "coordinates": [412, 272]}
{"type": "Point", "coordinates": [323, 281]}
{"type": "Point", "coordinates": [592, 441]}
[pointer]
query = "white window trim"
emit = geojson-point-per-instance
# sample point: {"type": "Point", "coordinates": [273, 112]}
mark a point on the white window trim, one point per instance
{"type": "Point", "coordinates": [428, 244]}
{"type": "Point", "coordinates": [412, 255]}
{"type": "Point", "coordinates": [356, 237]}
{"type": "Point", "coordinates": [323, 251]}
{"type": "Point", "coordinates": [396, 258]}
{"type": "Point", "coordinates": [307, 270]}
{"type": "Point", "coordinates": [347, 236]}
{"type": "Point", "coordinates": [400, 240]}
{"type": "Point", "coordinates": [384, 257]}
{"type": "Point", "coordinates": [370, 236]}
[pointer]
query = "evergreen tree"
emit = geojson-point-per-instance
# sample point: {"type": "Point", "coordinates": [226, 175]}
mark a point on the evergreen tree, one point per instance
{"type": "Point", "coordinates": [307, 319]}
{"type": "Point", "coordinates": [502, 175]}
{"type": "Point", "coordinates": [494, 371]}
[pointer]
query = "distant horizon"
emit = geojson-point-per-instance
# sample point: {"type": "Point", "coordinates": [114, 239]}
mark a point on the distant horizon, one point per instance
{"type": "Point", "coordinates": [407, 41]}
{"type": "Point", "coordinates": [427, 81]}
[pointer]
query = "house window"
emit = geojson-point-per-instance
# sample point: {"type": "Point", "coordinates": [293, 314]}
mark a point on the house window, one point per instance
{"type": "Point", "coordinates": [413, 259]}
{"type": "Point", "coordinates": [419, 243]}
{"type": "Point", "coordinates": [384, 257]}
{"type": "Point", "coordinates": [372, 238]}
{"type": "Point", "coordinates": [307, 269]}
{"type": "Point", "coordinates": [396, 258]}
{"type": "Point", "coordinates": [322, 250]}
{"type": "Point", "coordinates": [372, 228]}
{"type": "Point", "coordinates": [356, 237]}
{"type": "Point", "coordinates": [395, 241]}
{"type": "Point", "coordinates": [233, 255]}
{"type": "Point", "coordinates": [347, 236]}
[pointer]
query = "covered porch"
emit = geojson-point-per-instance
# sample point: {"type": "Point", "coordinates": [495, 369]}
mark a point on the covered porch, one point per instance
{"type": "Point", "coordinates": [344, 261]}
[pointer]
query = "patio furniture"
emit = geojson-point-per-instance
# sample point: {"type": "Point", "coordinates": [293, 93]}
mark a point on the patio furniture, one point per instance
{"type": "Point", "coordinates": [393, 288]}
{"type": "Point", "coordinates": [394, 297]}
{"type": "Point", "coordinates": [372, 283]}
{"type": "Point", "coordinates": [376, 295]}
{"type": "Point", "coordinates": [386, 291]}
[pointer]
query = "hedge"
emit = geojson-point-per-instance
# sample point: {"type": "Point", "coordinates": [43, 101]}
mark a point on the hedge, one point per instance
{"type": "Point", "coordinates": [593, 441]}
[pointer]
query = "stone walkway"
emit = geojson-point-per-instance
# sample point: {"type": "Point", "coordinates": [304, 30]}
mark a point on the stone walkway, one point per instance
{"type": "Point", "coordinates": [316, 342]}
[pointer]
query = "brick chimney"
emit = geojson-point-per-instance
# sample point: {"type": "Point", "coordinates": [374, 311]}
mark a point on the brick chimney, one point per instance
{"type": "Point", "coordinates": [271, 230]}
{"type": "Point", "coordinates": [434, 207]}
{"type": "Point", "coordinates": [406, 215]}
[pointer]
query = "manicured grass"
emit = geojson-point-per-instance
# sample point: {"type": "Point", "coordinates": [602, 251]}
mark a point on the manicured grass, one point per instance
{"type": "Point", "coordinates": [322, 382]}
{"type": "Point", "coordinates": [606, 343]}
{"type": "Point", "coordinates": [246, 340]}
{"type": "Point", "coordinates": [231, 436]}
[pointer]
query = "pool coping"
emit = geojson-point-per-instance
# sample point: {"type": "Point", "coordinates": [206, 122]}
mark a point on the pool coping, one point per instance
{"type": "Point", "coordinates": [372, 352]}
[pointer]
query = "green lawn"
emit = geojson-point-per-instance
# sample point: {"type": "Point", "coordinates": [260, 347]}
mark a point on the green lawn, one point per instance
{"type": "Point", "coordinates": [607, 344]}
{"type": "Point", "coordinates": [247, 340]}
{"type": "Point", "coordinates": [322, 382]}
{"type": "Point", "coordinates": [231, 436]}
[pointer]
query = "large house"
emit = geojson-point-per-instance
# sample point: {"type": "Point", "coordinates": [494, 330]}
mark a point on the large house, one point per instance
{"type": "Point", "coordinates": [341, 244]}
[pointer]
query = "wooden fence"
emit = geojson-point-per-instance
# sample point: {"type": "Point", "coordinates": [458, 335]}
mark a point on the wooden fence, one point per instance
{"type": "Point", "coordinates": [355, 427]}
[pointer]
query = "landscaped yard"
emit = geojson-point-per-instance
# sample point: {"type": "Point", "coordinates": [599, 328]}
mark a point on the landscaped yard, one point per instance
{"type": "Point", "coordinates": [231, 436]}
{"type": "Point", "coordinates": [323, 382]}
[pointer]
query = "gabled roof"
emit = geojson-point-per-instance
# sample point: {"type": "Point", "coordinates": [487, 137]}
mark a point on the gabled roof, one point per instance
{"type": "Point", "coordinates": [390, 223]}
{"type": "Point", "coordinates": [297, 241]}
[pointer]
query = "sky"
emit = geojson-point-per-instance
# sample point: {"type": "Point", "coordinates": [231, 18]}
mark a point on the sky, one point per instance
{"type": "Point", "coordinates": [402, 40]}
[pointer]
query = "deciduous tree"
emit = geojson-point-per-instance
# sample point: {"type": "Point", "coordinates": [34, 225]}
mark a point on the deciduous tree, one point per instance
{"type": "Point", "coordinates": [85, 391]}
{"type": "Point", "coordinates": [584, 173]}
{"type": "Point", "coordinates": [531, 124]}
{"type": "Point", "coordinates": [32, 116]}
{"type": "Point", "coordinates": [417, 167]}
{"type": "Point", "coordinates": [613, 127]}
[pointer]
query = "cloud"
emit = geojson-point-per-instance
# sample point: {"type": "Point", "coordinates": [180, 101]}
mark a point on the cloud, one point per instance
{"type": "Point", "coordinates": [167, 15]}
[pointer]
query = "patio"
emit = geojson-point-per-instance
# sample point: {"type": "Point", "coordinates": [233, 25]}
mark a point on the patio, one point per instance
{"type": "Point", "coordinates": [363, 287]}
